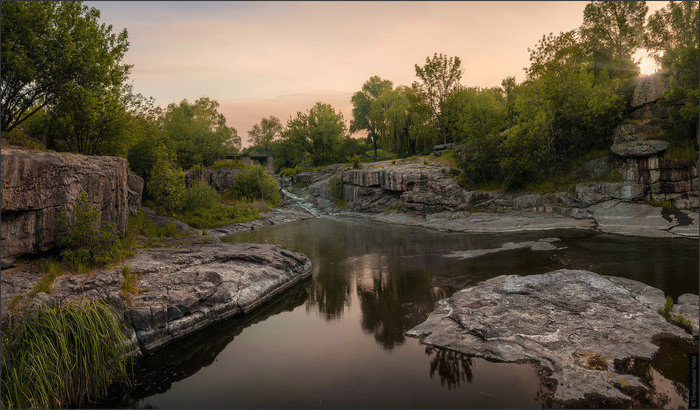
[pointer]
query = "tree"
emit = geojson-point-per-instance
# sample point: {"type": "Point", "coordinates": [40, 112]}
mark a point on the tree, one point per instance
{"type": "Point", "coordinates": [50, 50]}
{"type": "Point", "coordinates": [265, 132]}
{"type": "Point", "coordinates": [612, 31]}
{"type": "Point", "coordinates": [199, 132]}
{"type": "Point", "coordinates": [672, 39]}
{"type": "Point", "coordinates": [406, 127]}
{"type": "Point", "coordinates": [363, 110]}
{"type": "Point", "coordinates": [439, 76]}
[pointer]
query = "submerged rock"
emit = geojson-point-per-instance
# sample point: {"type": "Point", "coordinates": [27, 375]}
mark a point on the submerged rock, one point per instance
{"type": "Point", "coordinates": [576, 324]}
{"type": "Point", "coordinates": [539, 245]}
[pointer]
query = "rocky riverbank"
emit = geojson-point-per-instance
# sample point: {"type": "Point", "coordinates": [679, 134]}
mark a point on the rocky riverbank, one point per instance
{"type": "Point", "coordinates": [584, 330]}
{"type": "Point", "coordinates": [179, 289]}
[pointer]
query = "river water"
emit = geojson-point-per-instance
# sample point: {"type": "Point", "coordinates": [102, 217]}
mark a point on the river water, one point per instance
{"type": "Point", "coordinates": [337, 340]}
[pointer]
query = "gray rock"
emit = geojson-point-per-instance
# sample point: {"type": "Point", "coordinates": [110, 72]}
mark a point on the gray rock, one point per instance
{"type": "Point", "coordinates": [689, 306]}
{"type": "Point", "coordinates": [576, 324]}
{"type": "Point", "coordinates": [634, 219]}
{"type": "Point", "coordinates": [219, 178]}
{"type": "Point", "coordinates": [604, 191]}
{"type": "Point", "coordinates": [134, 193]}
{"type": "Point", "coordinates": [599, 167]}
{"type": "Point", "coordinates": [647, 90]}
{"type": "Point", "coordinates": [539, 245]}
{"type": "Point", "coordinates": [37, 186]}
{"type": "Point", "coordinates": [631, 131]}
{"type": "Point", "coordinates": [182, 288]}
{"type": "Point", "coordinates": [637, 148]}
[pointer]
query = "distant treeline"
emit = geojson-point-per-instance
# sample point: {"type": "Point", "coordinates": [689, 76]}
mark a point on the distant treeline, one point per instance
{"type": "Point", "coordinates": [63, 77]}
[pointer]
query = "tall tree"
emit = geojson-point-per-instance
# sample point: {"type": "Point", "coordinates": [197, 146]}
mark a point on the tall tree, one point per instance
{"type": "Point", "coordinates": [265, 132]}
{"type": "Point", "coordinates": [50, 49]}
{"type": "Point", "coordinates": [316, 135]}
{"type": "Point", "coordinates": [439, 75]}
{"type": "Point", "coordinates": [672, 39]}
{"type": "Point", "coordinates": [362, 111]}
{"type": "Point", "coordinates": [612, 31]}
{"type": "Point", "coordinates": [199, 132]}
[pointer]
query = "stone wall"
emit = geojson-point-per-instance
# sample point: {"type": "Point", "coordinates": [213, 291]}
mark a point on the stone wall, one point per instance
{"type": "Point", "coordinates": [38, 185]}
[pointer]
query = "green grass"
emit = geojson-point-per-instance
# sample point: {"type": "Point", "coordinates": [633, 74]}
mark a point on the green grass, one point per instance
{"type": "Point", "coordinates": [62, 356]}
{"type": "Point", "coordinates": [218, 215]}
{"type": "Point", "coordinates": [678, 320]}
{"type": "Point", "coordinates": [229, 163]}
{"type": "Point", "coordinates": [681, 152]}
{"type": "Point", "coordinates": [130, 283]}
{"type": "Point", "coordinates": [447, 158]}
{"type": "Point", "coordinates": [382, 155]}
{"type": "Point", "coordinates": [335, 185]}
{"type": "Point", "coordinates": [666, 203]}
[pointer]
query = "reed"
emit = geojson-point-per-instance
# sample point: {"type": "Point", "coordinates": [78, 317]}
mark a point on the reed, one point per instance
{"type": "Point", "coordinates": [62, 356]}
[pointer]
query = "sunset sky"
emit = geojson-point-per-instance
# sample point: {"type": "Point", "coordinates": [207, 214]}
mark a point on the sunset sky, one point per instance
{"type": "Point", "coordinates": [263, 58]}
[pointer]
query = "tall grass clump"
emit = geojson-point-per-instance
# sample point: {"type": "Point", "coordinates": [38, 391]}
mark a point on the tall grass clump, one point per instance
{"type": "Point", "coordinates": [88, 242]}
{"type": "Point", "coordinates": [62, 356]}
{"type": "Point", "coordinates": [199, 195]}
{"type": "Point", "coordinates": [255, 184]}
{"type": "Point", "coordinates": [141, 225]}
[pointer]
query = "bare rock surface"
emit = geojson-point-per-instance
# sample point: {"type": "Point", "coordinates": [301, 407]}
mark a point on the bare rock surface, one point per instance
{"type": "Point", "coordinates": [545, 244]}
{"type": "Point", "coordinates": [635, 219]}
{"type": "Point", "coordinates": [37, 186]}
{"type": "Point", "coordinates": [689, 306]}
{"type": "Point", "coordinates": [575, 324]}
{"type": "Point", "coordinates": [181, 289]}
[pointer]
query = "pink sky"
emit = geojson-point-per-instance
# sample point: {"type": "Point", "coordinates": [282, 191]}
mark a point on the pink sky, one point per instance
{"type": "Point", "coordinates": [263, 58]}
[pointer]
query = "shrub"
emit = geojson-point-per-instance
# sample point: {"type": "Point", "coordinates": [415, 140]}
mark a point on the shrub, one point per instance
{"type": "Point", "coordinates": [229, 163]}
{"type": "Point", "coordinates": [89, 243]}
{"type": "Point", "coordinates": [335, 186]}
{"type": "Point", "coordinates": [129, 284]}
{"type": "Point", "coordinates": [198, 195]}
{"type": "Point", "coordinates": [166, 185]}
{"type": "Point", "coordinates": [62, 356]}
{"type": "Point", "coordinates": [254, 183]}
{"type": "Point", "coordinates": [290, 172]}
{"type": "Point", "coordinates": [218, 215]}
{"type": "Point", "coordinates": [141, 225]}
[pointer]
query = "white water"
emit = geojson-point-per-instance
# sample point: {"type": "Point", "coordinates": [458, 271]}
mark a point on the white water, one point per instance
{"type": "Point", "coordinates": [300, 202]}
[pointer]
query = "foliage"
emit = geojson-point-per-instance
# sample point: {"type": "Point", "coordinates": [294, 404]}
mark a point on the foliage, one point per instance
{"type": "Point", "coordinates": [166, 184]}
{"type": "Point", "coordinates": [62, 356]}
{"type": "Point", "coordinates": [682, 152]}
{"type": "Point", "coordinates": [366, 112]}
{"type": "Point", "coordinates": [198, 195]}
{"type": "Point", "coordinates": [229, 163]}
{"type": "Point", "coordinates": [254, 183]}
{"type": "Point", "coordinates": [290, 172]}
{"type": "Point", "coordinates": [141, 225]}
{"type": "Point", "coordinates": [50, 51]}
{"type": "Point", "coordinates": [439, 75]}
{"type": "Point", "coordinates": [672, 38]}
{"type": "Point", "coordinates": [129, 283]}
{"type": "Point", "coordinates": [335, 185]}
{"type": "Point", "coordinates": [218, 215]}
{"type": "Point", "coordinates": [88, 242]}
{"type": "Point", "coordinates": [267, 131]}
{"type": "Point", "coordinates": [199, 132]}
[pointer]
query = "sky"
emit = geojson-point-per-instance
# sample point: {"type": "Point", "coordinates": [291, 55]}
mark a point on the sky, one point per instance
{"type": "Point", "coordinates": [276, 58]}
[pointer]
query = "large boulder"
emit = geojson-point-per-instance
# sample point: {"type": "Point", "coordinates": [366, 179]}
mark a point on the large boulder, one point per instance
{"type": "Point", "coordinates": [219, 178]}
{"type": "Point", "coordinates": [577, 325]}
{"type": "Point", "coordinates": [181, 289]}
{"type": "Point", "coordinates": [647, 90]}
{"type": "Point", "coordinates": [639, 148]}
{"type": "Point", "coordinates": [135, 192]}
{"type": "Point", "coordinates": [37, 186]}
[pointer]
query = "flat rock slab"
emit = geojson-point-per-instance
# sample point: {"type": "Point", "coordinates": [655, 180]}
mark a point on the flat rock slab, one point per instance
{"type": "Point", "coordinates": [545, 244]}
{"type": "Point", "coordinates": [181, 289]}
{"type": "Point", "coordinates": [624, 218]}
{"type": "Point", "coordinates": [639, 148]}
{"type": "Point", "coordinates": [574, 323]}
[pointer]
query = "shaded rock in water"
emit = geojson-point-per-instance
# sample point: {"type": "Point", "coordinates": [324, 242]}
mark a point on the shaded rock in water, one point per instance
{"type": "Point", "coordinates": [576, 324]}
{"type": "Point", "coordinates": [181, 289]}
{"type": "Point", "coordinates": [544, 244]}
{"type": "Point", "coordinates": [635, 219]}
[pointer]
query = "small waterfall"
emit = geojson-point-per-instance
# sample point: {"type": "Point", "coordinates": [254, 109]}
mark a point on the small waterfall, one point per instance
{"type": "Point", "coordinates": [300, 202]}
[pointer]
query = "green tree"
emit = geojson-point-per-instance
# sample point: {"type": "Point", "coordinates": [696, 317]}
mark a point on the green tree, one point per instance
{"type": "Point", "coordinates": [267, 131]}
{"type": "Point", "coordinates": [319, 134]}
{"type": "Point", "coordinates": [51, 49]}
{"type": "Point", "coordinates": [166, 184]}
{"type": "Point", "coordinates": [199, 132]}
{"type": "Point", "coordinates": [439, 75]}
{"type": "Point", "coordinates": [365, 114]}
{"type": "Point", "coordinates": [612, 31]}
{"type": "Point", "coordinates": [672, 39]}
{"type": "Point", "coordinates": [406, 122]}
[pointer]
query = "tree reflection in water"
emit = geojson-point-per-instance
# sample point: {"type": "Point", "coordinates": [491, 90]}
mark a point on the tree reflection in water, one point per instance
{"type": "Point", "coordinates": [452, 367]}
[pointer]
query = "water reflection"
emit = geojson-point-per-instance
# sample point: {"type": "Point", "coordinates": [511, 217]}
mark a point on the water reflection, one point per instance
{"type": "Point", "coordinates": [452, 367]}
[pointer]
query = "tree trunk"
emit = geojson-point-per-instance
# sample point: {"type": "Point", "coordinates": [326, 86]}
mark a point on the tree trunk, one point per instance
{"type": "Point", "coordinates": [374, 140]}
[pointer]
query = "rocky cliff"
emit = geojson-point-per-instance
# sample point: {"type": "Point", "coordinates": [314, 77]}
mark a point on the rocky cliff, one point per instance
{"type": "Point", "coordinates": [37, 186]}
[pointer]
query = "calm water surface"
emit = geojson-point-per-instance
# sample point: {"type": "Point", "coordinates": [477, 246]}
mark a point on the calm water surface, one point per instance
{"type": "Point", "coordinates": [337, 340]}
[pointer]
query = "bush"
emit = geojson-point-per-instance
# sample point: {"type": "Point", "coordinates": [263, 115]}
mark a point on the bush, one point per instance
{"type": "Point", "coordinates": [198, 195]}
{"type": "Point", "coordinates": [218, 215]}
{"type": "Point", "coordinates": [166, 185]}
{"type": "Point", "coordinates": [62, 356]}
{"type": "Point", "coordinates": [254, 183]}
{"type": "Point", "coordinates": [335, 185]}
{"type": "Point", "coordinates": [141, 225]}
{"type": "Point", "coordinates": [290, 172]}
{"type": "Point", "coordinates": [89, 243]}
{"type": "Point", "coordinates": [229, 163]}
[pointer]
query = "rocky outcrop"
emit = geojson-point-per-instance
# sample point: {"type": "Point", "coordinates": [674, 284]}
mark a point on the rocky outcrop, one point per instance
{"type": "Point", "coordinates": [181, 289]}
{"type": "Point", "coordinates": [37, 186]}
{"type": "Point", "coordinates": [648, 91]}
{"type": "Point", "coordinates": [134, 185]}
{"type": "Point", "coordinates": [576, 325]}
{"type": "Point", "coordinates": [219, 178]}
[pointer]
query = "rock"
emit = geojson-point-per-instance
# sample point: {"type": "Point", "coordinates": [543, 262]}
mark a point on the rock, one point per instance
{"type": "Point", "coordinates": [38, 185]}
{"type": "Point", "coordinates": [219, 178]}
{"type": "Point", "coordinates": [633, 131]}
{"type": "Point", "coordinates": [637, 148]}
{"type": "Point", "coordinates": [182, 288]}
{"type": "Point", "coordinates": [647, 90]}
{"type": "Point", "coordinates": [592, 194]}
{"type": "Point", "coordinates": [688, 306]}
{"type": "Point", "coordinates": [633, 219]}
{"type": "Point", "coordinates": [135, 190]}
{"type": "Point", "coordinates": [575, 324]}
{"type": "Point", "coordinates": [539, 245]}
{"type": "Point", "coordinates": [598, 167]}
